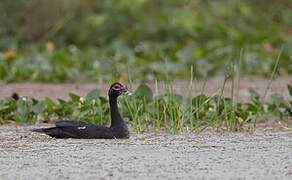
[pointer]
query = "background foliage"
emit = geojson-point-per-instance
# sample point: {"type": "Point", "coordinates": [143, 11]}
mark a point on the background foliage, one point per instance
{"type": "Point", "coordinates": [69, 40]}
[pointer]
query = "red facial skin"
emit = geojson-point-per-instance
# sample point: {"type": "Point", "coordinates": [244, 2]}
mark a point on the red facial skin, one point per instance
{"type": "Point", "coordinates": [117, 87]}
{"type": "Point", "coordinates": [14, 96]}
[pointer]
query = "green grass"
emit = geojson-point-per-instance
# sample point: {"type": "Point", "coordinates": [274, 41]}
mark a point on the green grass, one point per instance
{"type": "Point", "coordinates": [145, 112]}
{"type": "Point", "coordinates": [270, 81]}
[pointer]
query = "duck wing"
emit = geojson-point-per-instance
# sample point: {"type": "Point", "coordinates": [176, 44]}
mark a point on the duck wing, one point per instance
{"type": "Point", "coordinates": [78, 130]}
{"type": "Point", "coordinates": [73, 124]}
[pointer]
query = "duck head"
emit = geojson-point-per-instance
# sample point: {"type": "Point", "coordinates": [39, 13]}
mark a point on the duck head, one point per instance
{"type": "Point", "coordinates": [118, 89]}
{"type": "Point", "coordinates": [14, 96]}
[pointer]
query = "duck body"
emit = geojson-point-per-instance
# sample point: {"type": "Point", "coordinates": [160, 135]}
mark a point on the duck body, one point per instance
{"type": "Point", "coordinates": [86, 130]}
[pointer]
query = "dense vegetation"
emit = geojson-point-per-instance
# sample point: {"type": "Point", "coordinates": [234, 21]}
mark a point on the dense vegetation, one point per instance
{"type": "Point", "coordinates": [69, 40]}
{"type": "Point", "coordinates": [146, 40]}
{"type": "Point", "coordinates": [143, 111]}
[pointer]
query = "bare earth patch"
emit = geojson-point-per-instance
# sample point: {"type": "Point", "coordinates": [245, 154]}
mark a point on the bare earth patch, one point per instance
{"type": "Point", "coordinates": [55, 91]}
{"type": "Point", "coordinates": [265, 154]}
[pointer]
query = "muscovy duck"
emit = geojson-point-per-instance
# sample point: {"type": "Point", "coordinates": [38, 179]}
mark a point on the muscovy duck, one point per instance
{"type": "Point", "coordinates": [14, 96]}
{"type": "Point", "coordinates": [85, 130]}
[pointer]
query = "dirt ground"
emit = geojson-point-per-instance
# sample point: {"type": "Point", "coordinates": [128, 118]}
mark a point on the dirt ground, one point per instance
{"type": "Point", "coordinates": [54, 91]}
{"type": "Point", "coordinates": [265, 154]}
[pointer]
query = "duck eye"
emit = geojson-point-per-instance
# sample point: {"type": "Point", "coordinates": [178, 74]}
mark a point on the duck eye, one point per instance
{"type": "Point", "coordinates": [116, 87]}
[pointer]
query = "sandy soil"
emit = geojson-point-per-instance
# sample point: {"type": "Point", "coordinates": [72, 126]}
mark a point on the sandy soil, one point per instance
{"type": "Point", "coordinates": [54, 91]}
{"type": "Point", "coordinates": [266, 154]}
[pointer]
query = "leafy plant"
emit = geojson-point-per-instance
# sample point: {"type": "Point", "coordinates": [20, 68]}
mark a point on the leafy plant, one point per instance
{"type": "Point", "coordinates": [93, 41]}
{"type": "Point", "coordinates": [143, 111]}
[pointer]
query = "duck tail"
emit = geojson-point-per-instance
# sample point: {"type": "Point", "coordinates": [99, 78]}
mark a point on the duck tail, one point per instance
{"type": "Point", "coordinates": [41, 130]}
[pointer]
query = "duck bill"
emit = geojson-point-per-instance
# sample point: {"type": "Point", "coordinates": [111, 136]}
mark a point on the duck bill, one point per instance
{"type": "Point", "coordinates": [126, 93]}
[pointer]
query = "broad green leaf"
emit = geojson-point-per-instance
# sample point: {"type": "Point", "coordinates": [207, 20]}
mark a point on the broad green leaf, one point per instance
{"type": "Point", "coordinates": [39, 107]}
{"type": "Point", "coordinates": [255, 97]}
{"type": "Point", "coordinates": [103, 100]}
{"type": "Point", "coordinates": [94, 94]}
{"type": "Point", "coordinates": [277, 99]}
{"type": "Point", "coordinates": [290, 89]}
{"type": "Point", "coordinates": [200, 99]}
{"type": "Point", "coordinates": [23, 110]}
{"type": "Point", "coordinates": [3, 107]}
{"type": "Point", "coordinates": [61, 101]}
{"type": "Point", "coordinates": [178, 98]}
{"type": "Point", "coordinates": [144, 91]}
{"type": "Point", "coordinates": [74, 97]}
{"type": "Point", "coordinates": [50, 104]}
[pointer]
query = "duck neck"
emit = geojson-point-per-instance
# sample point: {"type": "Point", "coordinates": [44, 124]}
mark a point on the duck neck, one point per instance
{"type": "Point", "coordinates": [117, 120]}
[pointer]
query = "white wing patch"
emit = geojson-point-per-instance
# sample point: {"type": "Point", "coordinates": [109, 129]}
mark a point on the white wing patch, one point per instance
{"type": "Point", "coordinates": [81, 127]}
